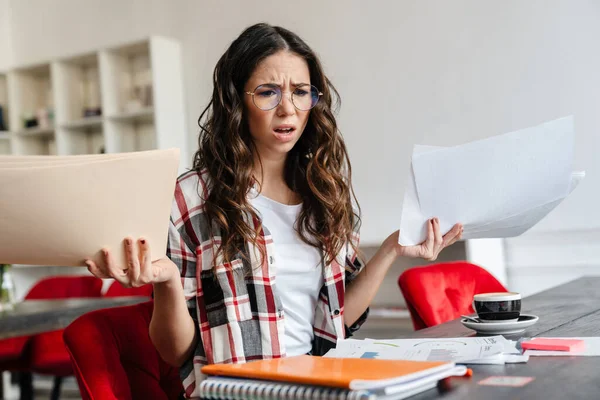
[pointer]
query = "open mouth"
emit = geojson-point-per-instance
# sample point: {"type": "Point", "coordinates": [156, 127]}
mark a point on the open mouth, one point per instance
{"type": "Point", "coordinates": [284, 131]}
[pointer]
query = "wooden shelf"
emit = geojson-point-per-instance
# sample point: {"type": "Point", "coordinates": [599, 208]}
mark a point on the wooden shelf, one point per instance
{"type": "Point", "coordinates": [84, 123]}
{"type": "Point", "coordinates": [141, 115]}
{"type": "Point", "coordinates": [37, 132]}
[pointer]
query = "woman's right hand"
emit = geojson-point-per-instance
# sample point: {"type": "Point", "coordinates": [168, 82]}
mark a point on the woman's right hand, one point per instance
{"type": "Point", "coordinates": [139, 270]}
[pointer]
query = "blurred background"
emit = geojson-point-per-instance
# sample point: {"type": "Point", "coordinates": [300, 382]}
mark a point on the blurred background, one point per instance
{"type": "Point", "coordinates": [91, 76]}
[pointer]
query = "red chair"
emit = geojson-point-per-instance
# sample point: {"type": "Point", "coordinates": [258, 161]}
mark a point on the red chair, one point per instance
{"type": "Point", "coordinates": [114, 358]}
{"type": "Point", "coordinates": [12, 357]}
{"type": "Point", "coordinates": [45, 353]}
{"type": "Point", "coordinates": [442, 292]}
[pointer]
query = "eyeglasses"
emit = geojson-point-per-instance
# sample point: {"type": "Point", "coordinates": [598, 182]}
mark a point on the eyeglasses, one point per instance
{"type": "Point", "coordinates": [268, 96]}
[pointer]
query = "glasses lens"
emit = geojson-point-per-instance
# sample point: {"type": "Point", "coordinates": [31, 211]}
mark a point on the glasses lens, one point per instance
{"type": "Point", "coordinates": [305, 97]}
{"type": "Point", "coordinates": [267, 97]}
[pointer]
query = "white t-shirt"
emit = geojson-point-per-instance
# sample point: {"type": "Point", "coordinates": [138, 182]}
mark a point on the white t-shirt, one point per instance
{"type": "Point", "coordinates": [299, 275]}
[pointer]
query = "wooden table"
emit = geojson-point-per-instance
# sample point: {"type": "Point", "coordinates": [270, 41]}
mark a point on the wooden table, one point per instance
{"type": "Point", "coordinates": [572, 309]}
{"type": "Point", "coordinates": [36, 316]}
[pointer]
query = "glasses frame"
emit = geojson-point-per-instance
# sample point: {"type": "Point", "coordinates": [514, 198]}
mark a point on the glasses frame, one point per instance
{"type": "Point", "coordinates": [319, 94]}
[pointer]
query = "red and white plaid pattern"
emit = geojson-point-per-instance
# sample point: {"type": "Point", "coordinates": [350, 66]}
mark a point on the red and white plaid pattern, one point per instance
{"type": "Point", "coordinates": [235, 306]}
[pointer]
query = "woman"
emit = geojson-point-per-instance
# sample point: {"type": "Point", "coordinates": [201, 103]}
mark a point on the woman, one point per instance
{"type": "Point", "coordinates": [263, 235]}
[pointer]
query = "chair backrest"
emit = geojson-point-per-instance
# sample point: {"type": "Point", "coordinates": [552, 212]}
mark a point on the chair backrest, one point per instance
{"type": "Point", "coordinates": [116, 290]}
{"type": "Point", "coordinates": [63, 287]}
{"type": "Point", "coordinates": [113, 357]}
{"type": "Point", "coordinates": [438, 293]}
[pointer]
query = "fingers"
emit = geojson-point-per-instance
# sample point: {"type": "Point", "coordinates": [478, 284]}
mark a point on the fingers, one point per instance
{"type": "Point", "coordinates": [137, 271]}
{"type": "Point", "coordinates": [145, 261]}
{"type": "Point", "coordinates": [95, 270]}
{"type": "Point", "coordinates": [113, 270]}
{"type": "Point", "coordinates": [438, 240]}
{"type": "Point", "coordinates": [428, 247]}
{"type": "Point", "coordinates": [454, 240]}
{"type": "Point", "coordinates": [143, 252]}
{"type": "Point", "coordinates": [132, 260]}
{"type": "Point", "coordinates": [435, 242]}
{"type": "Point", "coordinates": [429, 242]}
{"type": "Point", "coordinates": [437, 233]}
{"type": "Point", "coordinates": [139, 265]}
{"type": "Point", "coordinates": [453, 235]}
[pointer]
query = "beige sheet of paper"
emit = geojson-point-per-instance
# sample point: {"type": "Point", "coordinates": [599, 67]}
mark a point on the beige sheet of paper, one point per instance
{"type": "Point", "coordinates": [63, 212]}
{"type": "Point", "coordinates": [8, 161]}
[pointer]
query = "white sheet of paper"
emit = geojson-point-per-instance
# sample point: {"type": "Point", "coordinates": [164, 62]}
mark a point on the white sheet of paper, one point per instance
{"type": "Point", "coordinates": [60, 214]}
{"type": "Point", "coordinates": [497, 177]}
{"type": "Point", "coordinates": [518, 224]}
{"type": "Point", "coordinates": [442, 349]}
{"type": "Point", "coordinates": [592, 348]}
{"type": "Point", "coordinates": [498, 223]}
{"type": "Point", "coordinates": [413, 228]}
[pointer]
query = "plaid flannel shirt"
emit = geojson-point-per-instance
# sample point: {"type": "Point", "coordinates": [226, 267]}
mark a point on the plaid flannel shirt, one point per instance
{"type": "Point", "coordinates": [238, 315]}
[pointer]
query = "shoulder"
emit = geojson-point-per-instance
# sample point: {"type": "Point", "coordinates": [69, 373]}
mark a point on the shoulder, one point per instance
{"type": "Point", "coordinates": [191, 190]}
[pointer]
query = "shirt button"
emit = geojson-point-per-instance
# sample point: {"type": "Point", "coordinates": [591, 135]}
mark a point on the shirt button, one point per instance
{"type": "Point", "coordinates": [336, 312]}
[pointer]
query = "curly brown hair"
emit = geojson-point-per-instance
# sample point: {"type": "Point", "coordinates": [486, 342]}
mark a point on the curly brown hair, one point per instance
{"type": "Point", "coordinates": [317, 167]}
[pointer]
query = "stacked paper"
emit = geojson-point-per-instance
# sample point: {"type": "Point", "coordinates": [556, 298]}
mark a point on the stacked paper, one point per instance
{"type": "Point", "coordinates": [497, 187]}
{"type": "Point", "coordinates": [463, 350]}
{"type": "Point", "coordinates": [59, 210]}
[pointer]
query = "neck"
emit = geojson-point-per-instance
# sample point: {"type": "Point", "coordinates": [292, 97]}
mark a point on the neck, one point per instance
{"type": "Point", "coordinates": [271, 172]}
{"type": "Point", "coordinates": [271, 178]}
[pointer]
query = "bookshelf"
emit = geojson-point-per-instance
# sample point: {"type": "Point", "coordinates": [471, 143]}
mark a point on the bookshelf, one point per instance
{"type": "Point", "coordinates": [123, 98]}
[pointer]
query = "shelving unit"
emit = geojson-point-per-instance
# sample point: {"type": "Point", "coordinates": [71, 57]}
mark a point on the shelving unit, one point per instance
{"type": "Point", "coordinates": [78, 105]}
{"type": "Point", "coordinates": [123, 98]}
{"type": "Point", "coordinates": [142, 96]}
{"type": "Point", "coordinates": [30, 97]}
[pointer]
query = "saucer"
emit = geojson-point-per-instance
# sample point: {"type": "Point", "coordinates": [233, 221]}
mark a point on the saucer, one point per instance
{"type": "Point", "coordinates": [501, 328]}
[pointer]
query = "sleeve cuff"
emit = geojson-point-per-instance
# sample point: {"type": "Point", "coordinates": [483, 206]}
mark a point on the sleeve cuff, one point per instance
{"type": "Point", "coordinates": [356, 325]}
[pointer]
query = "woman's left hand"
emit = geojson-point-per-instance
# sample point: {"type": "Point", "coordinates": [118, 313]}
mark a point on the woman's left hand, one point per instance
{"type": "Point", "coordinates": [432, 246]}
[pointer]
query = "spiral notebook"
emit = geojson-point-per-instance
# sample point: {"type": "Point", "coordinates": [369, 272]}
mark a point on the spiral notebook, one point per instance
{"type": "Point", "coordinates": [308, 377]}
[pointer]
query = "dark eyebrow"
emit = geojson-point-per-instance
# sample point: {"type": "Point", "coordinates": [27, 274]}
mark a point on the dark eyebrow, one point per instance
{"type": "Point", "coordinates": [294, 84]}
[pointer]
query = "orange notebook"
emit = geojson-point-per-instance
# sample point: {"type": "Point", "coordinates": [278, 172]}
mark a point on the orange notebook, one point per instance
{"type": "Point", "coordinates": [345, 373]}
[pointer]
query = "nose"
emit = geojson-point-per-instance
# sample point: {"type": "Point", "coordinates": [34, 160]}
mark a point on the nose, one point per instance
{"type": "Point", "coordinates": [286, 107]}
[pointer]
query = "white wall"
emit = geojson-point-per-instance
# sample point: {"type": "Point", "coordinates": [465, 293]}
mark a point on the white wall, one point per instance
{"type": "Point", "coordinates": [6, 55]}
{"type": "Point", "coordinates": [426, 72]}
